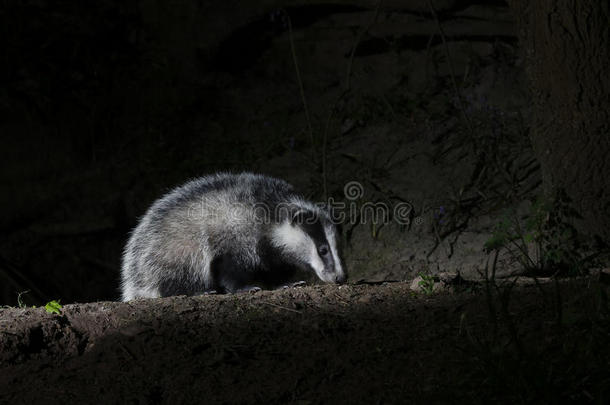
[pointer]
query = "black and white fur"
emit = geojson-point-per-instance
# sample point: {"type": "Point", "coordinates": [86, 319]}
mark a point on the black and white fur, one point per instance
{"type": "Point", "coordinates": [228, 232]}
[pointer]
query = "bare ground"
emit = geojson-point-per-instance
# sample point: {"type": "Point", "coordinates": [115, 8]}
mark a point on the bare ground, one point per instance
{"type": "Point", "coordinates": [317, 344]}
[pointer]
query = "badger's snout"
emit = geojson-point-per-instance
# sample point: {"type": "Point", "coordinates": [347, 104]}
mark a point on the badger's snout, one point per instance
{"type": "Point", "coordinates": [332, 276]}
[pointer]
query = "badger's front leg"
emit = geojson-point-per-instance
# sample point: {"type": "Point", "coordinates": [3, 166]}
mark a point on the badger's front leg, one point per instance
{"type": "Point", "coordinates": [231, 276]}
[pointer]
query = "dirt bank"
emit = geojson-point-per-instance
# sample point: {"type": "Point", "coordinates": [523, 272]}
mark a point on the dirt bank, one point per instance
{"type": "Point", "coordinates": [317, 344]}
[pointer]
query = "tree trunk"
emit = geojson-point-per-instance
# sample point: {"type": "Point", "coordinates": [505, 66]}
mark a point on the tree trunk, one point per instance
{"type": "Point", "coordinates": [566, 48]}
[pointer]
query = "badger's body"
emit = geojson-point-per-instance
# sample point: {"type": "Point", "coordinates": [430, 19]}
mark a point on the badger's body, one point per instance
{"type": "Point", "coordinates": [228, 232]}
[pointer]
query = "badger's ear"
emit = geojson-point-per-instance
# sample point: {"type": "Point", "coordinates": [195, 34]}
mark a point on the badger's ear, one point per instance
{"type": "Point", "coordinates": [297, 217]}
{"type": "Point", "coordinates": [301, 217]}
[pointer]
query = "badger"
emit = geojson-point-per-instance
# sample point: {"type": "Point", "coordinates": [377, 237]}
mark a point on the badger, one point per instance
{"type": "Point", "coordinates": [229, 233]}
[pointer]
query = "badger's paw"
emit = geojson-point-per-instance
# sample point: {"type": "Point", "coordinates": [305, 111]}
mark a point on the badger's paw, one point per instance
{"type": "Point", "coordinates": [207, 292]}
{"type": "Point", "coordinates": [250, 289]}
{"type": "Point", "coordinates": [295, 284]}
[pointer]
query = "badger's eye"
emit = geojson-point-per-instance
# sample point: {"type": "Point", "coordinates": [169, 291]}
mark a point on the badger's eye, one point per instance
{"type": "Point", "coordinates": [323, 250]}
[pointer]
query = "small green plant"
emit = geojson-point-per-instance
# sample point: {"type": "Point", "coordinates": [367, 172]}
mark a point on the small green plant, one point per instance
{"type": "Point", "coordinates": [544, 241]}
{"type": "Point", "coordinates": [426, 283]}
{"type": "Point", "coordinates": [53, 307]}
{"type": "Point", "coordinates": [20, 302]}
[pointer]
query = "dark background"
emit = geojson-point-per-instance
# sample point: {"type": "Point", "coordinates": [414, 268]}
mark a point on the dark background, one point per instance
{"type": "Point", "coordinates": [105, 105]}
{"type": "Point", "coordinates": [467, 111]}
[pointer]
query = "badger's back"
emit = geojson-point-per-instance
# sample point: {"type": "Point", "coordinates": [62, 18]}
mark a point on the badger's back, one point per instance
{"type": "Point", "coordinates": [172, 248]}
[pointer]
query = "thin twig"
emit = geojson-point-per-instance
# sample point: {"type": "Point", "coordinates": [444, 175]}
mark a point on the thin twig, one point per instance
{"type": "Point", "coordinates": [346, 91]}
{"type": "Point", "coordinates": [451, 70]}
{"type": "Point", "coordinates": [357, 42]}
{"type": "Point", "coordinates": [324, 142]}
{"type": "Point", "coordinates": [300, 82]}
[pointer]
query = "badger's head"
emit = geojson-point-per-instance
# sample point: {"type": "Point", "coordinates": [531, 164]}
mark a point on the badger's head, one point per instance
{"type": "Point", "coordinates": [310, 238]}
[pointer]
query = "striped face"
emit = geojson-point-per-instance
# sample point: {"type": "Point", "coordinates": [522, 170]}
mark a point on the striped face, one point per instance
{"type": "Point", "coordinates": [312, 240]}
